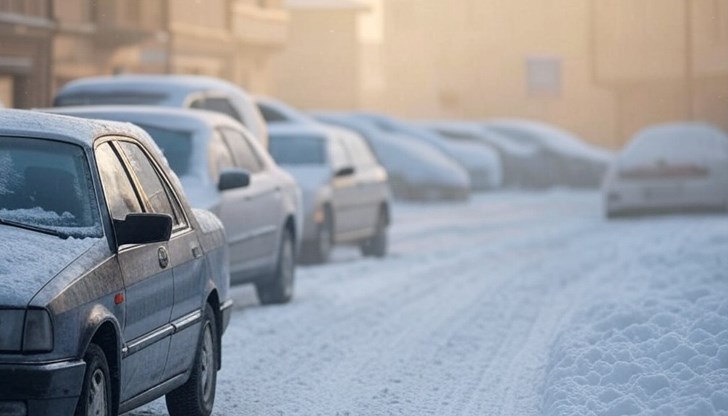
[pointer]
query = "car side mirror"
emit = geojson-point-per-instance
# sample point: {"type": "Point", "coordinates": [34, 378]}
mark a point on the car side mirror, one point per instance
{"type": "Point", "coordinates": [144, 228]}
{"type": "Point", "coordinates": [345, 171]}
{"type": "Point", "coordinates": [233, 179]}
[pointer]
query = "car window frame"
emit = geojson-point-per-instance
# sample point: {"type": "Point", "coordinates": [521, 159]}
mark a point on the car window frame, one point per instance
{"type": "Point", "coordinates": [257, 158]}
{"type": "Point", "coordinates": [184, 227]}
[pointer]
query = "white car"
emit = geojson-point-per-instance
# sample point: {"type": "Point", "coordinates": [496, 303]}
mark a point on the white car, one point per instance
{"type": "Point", "coordinates": [670, 168]}
{"type": "Point", "coordinates": [566, 159]}
{"type": "Point", "coordinates": [417, 170]}
{"type": "Point", "coordinates": [186, 91]}
{"type": "Point", "coordinates": [522, 163]}
{"type": "Point", "coordinates": [211, 153]}
{"type": "Point", "coordinates": [483, 165]}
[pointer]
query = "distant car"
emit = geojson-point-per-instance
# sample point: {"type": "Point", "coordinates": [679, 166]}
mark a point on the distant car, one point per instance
{"type": "Point", "coordinates": [522, 163]}
{"type": "Point", "coordinates": [483, 165]}
{"type": "Point", "coordinates": [345, 191]}
{"type": "Point", "coordinates": [113, 291]}
{"type": "Point", "coordinates": [670, 168]}
{"type": "Point", "coordinates": [212, 154]}
{"type": "Point", "coordinates": [566, 160]}
{"type": "Point", "coordinates": [417, 170]}
{"type": "Point", "coordinates": [186, 91]}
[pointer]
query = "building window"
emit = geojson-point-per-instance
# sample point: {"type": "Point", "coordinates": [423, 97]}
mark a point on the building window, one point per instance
{"type": "Point", "coordinates": [543, 76]}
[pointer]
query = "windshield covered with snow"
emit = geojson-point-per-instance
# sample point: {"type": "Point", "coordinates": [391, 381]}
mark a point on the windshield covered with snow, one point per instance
{"type": "Point", "coordinates": [297, 150]}
{"type": "Point", "coordinates": [47, 186]}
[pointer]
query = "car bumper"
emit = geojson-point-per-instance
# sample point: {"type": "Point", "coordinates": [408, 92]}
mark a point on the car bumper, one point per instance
{"type": "Point", "coordinates": [665, 198]}
{"type": "Point", "coordinates": [44, 389]}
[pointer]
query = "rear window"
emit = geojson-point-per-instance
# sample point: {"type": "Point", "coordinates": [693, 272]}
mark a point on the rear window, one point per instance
{"type": "Point", "coordinates": [297, 150]}
{"type": "Point", "coordinates": [176, 146]}
{"type": "Point", "coordinates": [675, 145]}
{"type": "Point", "coordinates": [121, 98]}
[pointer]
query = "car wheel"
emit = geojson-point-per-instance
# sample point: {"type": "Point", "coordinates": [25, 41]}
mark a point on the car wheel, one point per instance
{"type": "Point", "coordinates": [197, 396]}
{"type": "Point", "coordinates": [280, 288]}
{"type": "Point", "coordinates": [95, 397]}
{"type": "Point", "coordinates": [377, 245]}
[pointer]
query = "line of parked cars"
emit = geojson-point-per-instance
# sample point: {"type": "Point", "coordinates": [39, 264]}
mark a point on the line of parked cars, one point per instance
{"type": "Point", "coordinates": [129, 208]}
{"type": "Point", "coordinates": [126, 213]}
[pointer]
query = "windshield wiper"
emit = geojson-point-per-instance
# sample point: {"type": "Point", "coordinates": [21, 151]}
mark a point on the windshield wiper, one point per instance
{"type": "Point", "coordinates": [56, 233]}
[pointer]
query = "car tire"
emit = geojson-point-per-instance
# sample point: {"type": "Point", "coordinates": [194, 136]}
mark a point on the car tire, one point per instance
{"type": "Point", "coordinates": [280, 288]}
{"type": "Point", "coordinates": [95, 396]}
{"type": "Point", "coordinates": [197, 396]}
{"type": "Point", "coordinates": [377, 245]}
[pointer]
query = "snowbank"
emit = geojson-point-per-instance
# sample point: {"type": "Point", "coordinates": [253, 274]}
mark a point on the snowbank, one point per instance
{"type": "Point", "coordinates": [661, 350]}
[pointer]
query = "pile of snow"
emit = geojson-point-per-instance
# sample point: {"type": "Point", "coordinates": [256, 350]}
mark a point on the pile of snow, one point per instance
{"type": "Point", "coordinates": [676, 143]}
{"type": "Point", "coordinates": [662, 349]}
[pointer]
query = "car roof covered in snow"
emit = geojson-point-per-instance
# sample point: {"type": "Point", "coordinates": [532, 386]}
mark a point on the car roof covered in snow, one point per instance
{"type": "Point", "coordinates": [170, 84]}
{"type": "Point", "coordinates": [25, 123]}
{"type": "Point", "coordinates": [168, 118]}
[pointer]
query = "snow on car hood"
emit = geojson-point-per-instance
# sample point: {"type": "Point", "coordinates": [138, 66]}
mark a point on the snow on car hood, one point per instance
{"type": "Point", "coordinates": [29, 259]}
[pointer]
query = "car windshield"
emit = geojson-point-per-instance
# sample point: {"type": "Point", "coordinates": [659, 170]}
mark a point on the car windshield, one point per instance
{"type": "Point", "coordinates": [112, 97]}
{"type": "Point", "coordinates": [297, 150]}
{"type": "Point", "coordinates": [176, 146]}
{"type": "Point", "coordinates": [47, 185]}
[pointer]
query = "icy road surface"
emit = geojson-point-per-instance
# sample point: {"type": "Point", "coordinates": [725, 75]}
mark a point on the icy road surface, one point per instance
{"type": "Point", "coordinates": [512, 304]}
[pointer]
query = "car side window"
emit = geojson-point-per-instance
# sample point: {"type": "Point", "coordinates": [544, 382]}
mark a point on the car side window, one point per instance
{"type": "Point", "coordinates": [338, 155]}
{"type": "Point", "coordinates": [222, 105]}
{"type": "Point", "coordinates": [159, 196]}
{"type": "Point", "coordinates": [360, 152]}
{"type": "Point", "coordinates": [242, 151]}
{"type": "Point", "coordinates": [219, 157]}
{"type": "Point", "coordinates": [120, 195]}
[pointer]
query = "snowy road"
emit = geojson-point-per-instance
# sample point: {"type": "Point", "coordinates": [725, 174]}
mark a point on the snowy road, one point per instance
{"type": "Point", "coordinates": [485, 308]}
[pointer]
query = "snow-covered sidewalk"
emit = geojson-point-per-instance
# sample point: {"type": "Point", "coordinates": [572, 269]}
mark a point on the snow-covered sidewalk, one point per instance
{"type": "Point", "coordinates": [511, 304]}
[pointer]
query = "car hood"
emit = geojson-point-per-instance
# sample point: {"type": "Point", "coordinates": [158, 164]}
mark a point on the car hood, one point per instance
{"type": "Point", "coordinates": [29, 260]}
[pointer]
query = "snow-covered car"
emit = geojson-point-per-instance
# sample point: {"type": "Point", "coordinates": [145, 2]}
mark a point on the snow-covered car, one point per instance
{"type": "Point", "coordinates": [211, 153]}
{"type": "Point", "coordinates": [565, 159]}
{"type": "Point", "coordinates": [521, 162]}
{"type": "Point", "coordinates": [417, 170]}
{"type": "Point", "coordinates": [345, 190]}
{"type": "Point", "coordinates": [186, 91]}
{"type": "Point", "coordinates": [482, 164]}
{"type": "Point", "coordinates": [113, 291]}
{"type": "Point", "coordinates": [670, 168]}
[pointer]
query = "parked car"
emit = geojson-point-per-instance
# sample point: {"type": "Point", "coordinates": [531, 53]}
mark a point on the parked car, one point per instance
{"type": "Point", "coordinates": [211, 152]}
{"type": "Point", "coordinates": [483, 165]}
{"type": "Point", "coordinates": [186, 91]}
{"type": "Point", "coordinates": [417, 171]}
{"type": "Point", "coordinates": [567, 160]}
{"type": "Point", "coordinates": [345, 191]}
{"type": "Point", "coordinates": [522, 163]}
{"type": "Point", "coordinates": [113, 291]}
{"type": "Point", "coordinates": [670, 168]}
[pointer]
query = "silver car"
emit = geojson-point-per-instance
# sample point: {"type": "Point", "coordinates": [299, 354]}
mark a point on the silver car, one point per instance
{"type": "Point", "coordinates": [345, 192]}
{"type": "Point", "coordinates": [211, 153]}
{"type": "Point", "coordinates": [186, 91]}
{"type": "Point", "coordinates": [668, 168]}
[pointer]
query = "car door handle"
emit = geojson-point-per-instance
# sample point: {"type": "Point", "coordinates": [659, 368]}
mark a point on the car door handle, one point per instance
{"type": "Point", "coordinates": [197, 252]}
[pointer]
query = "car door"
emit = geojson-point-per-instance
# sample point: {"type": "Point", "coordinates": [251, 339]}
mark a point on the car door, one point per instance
{"type": "Point", "coordinates": [367, 178]}
{"type": "Point", "coordinates": [263, 208]}
{"type": "Point", "coordinates": [148, 281]}
{"type": "Point", "coordinates": [343, 190]}
{"type": "Point", "coordinates": [185, 258]}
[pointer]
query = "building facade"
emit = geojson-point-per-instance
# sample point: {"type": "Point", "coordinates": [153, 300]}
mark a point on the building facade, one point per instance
{"type": "Point", "coordinates": [26, 30]}
{"type": "Point", "coordinates": [321, 66]}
